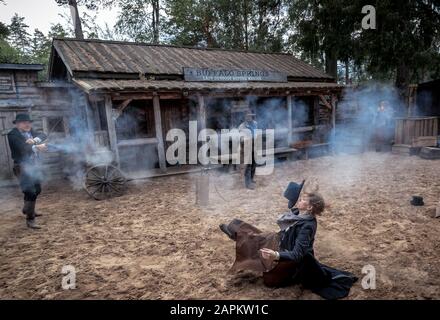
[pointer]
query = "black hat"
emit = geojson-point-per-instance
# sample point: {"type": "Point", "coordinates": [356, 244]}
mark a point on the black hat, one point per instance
{"type": "Point", "coordinates": [292, 193]}
{"type": "Point", "coordinates": [22, 117]}
{"type": "Point", "coordinates": [417, 201]}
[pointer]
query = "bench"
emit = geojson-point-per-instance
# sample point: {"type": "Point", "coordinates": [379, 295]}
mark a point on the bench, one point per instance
{"type": "Point", "coordinates": [281, 152]}
{"type": "Point", "coordinates": [306, 149]}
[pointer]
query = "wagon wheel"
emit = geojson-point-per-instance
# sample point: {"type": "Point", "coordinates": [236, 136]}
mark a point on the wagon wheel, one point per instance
{"type": "Point", "coordinates": [104, 182]}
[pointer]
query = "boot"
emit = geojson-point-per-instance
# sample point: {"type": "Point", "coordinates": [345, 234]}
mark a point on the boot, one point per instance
{"type": "Point", "coordinates": [31, 224]}
{"type": "Point", "coordinates": [30, 215]}
{"type": "Point", "coordinates": [250, 185]}
{"type": "Point", "coordinates": [28, 205]}
{"type": "Point", "coordinates": [225, 229]}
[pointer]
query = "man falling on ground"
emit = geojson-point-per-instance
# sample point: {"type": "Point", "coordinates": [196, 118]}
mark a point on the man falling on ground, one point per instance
{"type": "Point", "coordinates": [25, 145]}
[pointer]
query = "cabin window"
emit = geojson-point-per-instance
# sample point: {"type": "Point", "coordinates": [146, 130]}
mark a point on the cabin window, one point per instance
{"type": "Point", "coordinates": [136, 121]}
{"type": "Point", "coordinates": [303, 111]}
{"type": "Point", "coordinates": [101, 117]}
{"type": "Point", "coordinates": [55, 124]}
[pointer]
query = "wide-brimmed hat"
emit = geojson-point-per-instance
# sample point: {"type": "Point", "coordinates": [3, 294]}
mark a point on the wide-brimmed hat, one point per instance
{"type": "Point", "coordinates": [22, 117]}
{"type": "Point", "coordinates": [292, 192]}
{"type": "Point", "coordinates": [417, 201]}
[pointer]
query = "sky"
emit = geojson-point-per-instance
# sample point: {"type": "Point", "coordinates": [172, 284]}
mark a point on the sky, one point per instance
{"type": "Point", "coordinates": [41, 14]}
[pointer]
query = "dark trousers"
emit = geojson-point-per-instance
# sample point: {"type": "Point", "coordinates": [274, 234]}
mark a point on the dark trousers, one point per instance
{"type": "Point", "coordinates": [249, 240]}
{"type": "Point", "coordinates": [29, 180]}
{"type": "Point", "coordinates": [249, 171]}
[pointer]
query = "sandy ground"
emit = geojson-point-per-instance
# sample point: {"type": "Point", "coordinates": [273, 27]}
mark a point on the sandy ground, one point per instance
{"type": "Point", "coordinates": [154, 243]}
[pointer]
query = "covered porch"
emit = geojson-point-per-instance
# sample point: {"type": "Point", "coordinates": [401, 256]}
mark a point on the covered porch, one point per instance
{"type": "Point", "coordinates": [132, 117]}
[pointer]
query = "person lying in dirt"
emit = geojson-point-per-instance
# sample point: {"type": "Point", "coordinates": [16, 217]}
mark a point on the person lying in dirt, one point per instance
{"type": "Point", "coordinates": [287, 257]}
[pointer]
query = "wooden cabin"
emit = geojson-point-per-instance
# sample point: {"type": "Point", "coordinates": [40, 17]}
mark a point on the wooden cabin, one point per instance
{"type": "Point", "coordinates": [136, 92]}
{"type": "Point", "coordinates": [126, 96]}
{"type": "Point", "coordinates": [49, 103]}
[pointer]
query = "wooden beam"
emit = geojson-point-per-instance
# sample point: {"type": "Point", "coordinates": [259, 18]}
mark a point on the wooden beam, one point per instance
{"type": "Point", "coordinates": [145, 96]}
{"type": "Point", "coordinates": [333, 104]}
{"type": "Point", "coordinates": [308, 128]}
{"type": "Point", "coordinates": [325, 102]}
{"type": "Point", "coordinates": [66, 126]}
{"type": "Point", "coordinates": [111, 128]}
{"type": "Point", "coordinates": [201, 111]}
{"type": "Point", "coordinates": [201, 114]}
{"type": "Point", "coordinates": [159, 135]}
{"type": "Point", "coordinates": [122, 106]}
{"type": "Point", "coordinates": [289, 120]}
{"type": "Point", "coordinates": [137, 142]}
{"type": "Point", "coordinates": [89, 116]}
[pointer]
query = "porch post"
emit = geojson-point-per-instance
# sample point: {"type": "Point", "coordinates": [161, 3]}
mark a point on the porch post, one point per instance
{"type": "Point", "coordinates": [201, 111]}
{"type": "Point", "coordinates": [289, 120]}
{"type": "Point", "coordinates": [159, 135]}
{"type": "Point", "coordinates": [315, 119]}
{"type": "Point", "coordinates": [90, 120]}
{"type": "Point", "coordinates": [111, 127]}
{"type": "Point", "coordinates": [333, 102]}
{"type": "Point", "coordinates": [201, 116]}
{"type": "Point", "coordinates": [202, 182]}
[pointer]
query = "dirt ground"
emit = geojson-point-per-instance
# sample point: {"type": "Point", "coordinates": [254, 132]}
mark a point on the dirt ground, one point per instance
{"type": "Point", "coordinates": [154, 243]}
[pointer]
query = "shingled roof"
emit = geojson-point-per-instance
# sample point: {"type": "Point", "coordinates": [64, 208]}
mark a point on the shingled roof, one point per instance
{"type": "Point", "coordinates": [99, 85]}
{"type": "Point", "coordinates": [82, 57]}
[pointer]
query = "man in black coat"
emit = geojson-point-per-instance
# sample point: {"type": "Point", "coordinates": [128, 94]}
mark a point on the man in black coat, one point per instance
{"type": "Point", "coordinates": [25, 144]}
{"type": "Point", "coordinates": [287, 257]}
{"type": "Point", "coordinates": [249, 172]}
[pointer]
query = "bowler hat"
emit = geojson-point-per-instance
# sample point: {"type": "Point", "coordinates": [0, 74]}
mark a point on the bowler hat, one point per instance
{"type": "Point", "coordinates": [417, 201]}
{"type": "Point", "coordinates": [22, 117]}
{"type": "Point", "coordinates": [292, 193]}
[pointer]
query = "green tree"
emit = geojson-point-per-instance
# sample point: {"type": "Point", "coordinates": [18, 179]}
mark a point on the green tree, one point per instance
{"type": "Point", "coordinates": [140, 20]}
{"type": "Point", "coordinates": [7, 53]}
{"type": "Point", "coordinates": [405, 45]}
{"type": "Point", "coordinates": [40, 47]}
{"type": "Point", "coordinates": [241, 24]}
{"type": "Point", "coordinates": [19, 37]}
{"type": "Point", "coordinates": [78, 21]}
{"type": "Point", "coordinates": [324, 31]}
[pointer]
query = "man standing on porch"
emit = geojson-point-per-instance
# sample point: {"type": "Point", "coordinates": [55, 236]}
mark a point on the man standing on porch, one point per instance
{"type": "Point", "coordinates": [249, 172]}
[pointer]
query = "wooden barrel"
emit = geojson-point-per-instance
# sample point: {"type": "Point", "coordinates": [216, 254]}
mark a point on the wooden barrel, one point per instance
{"type": "Point", "coordinates": [409, 129]}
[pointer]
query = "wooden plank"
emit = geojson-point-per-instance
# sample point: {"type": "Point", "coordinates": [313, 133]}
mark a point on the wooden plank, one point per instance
{"type": "Point", "coordinates": [430, 153]}
{"type": "Point", "coordinates": [308, 128]}
{"type": "Point", "coordinates": [333, 105]}
{"type": "Point", "coordinates": [316, 118]}
{"type": "Point", "coordinates": [159, 136]}
{"type": "Point", "coordinates": [425, 141]}
{"type": "Point", "coordinates": [289, 120]}
{"type": "Point", "coordinates": [137, 142]}
{"type": "Point", "coordinates": [325, 102]}
{"type": "Point", "coordinates": [201, 112]}
{"type": "Point", "coordinates": [89, 117]}
{"type": "Point", "coordinates": [111, 127]}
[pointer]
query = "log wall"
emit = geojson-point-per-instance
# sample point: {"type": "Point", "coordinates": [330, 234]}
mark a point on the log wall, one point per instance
{"type": "Point", "coordinates": [52, 107]}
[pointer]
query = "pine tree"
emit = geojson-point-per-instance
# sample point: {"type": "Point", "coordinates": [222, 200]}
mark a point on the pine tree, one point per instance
{"type": "Point", "coordinates": [19, 37]}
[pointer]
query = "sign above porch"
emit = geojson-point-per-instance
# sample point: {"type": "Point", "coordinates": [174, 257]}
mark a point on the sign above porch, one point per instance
{"type": "Point", "coordinates": [7, 84]}
{"type": "Point", "coordinates": [232, 75]}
